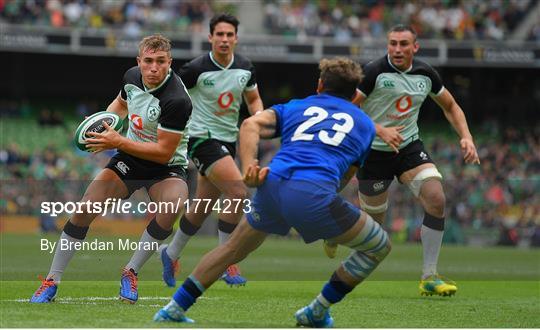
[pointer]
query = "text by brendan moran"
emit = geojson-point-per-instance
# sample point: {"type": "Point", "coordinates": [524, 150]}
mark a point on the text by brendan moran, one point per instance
{"type": "Point", "coordinates": [97, 245]}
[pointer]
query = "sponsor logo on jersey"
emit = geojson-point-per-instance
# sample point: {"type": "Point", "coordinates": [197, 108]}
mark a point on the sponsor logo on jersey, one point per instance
{"type": "Point", "coordinates": [137, 121]}
{"type": "Point", "coordinates": [378, 186]}
{"type": "Point", "coordinates": [197, 163]}
{"type": "Point", "coordinates": [388, 84]}
{"type": "Point", "coordinates": [153, 113]}
{"type": "Point", "coordinates": [225, 100]}
{"type": "Point", "coordinates": [144, 137]}
{"type": "Point", "coordinates": [404, 103]}
{"type": "Point", "coordinates": [209, 82]}
{"type": "Point", "coordinates": [256, 216]}
{"type": "Point", "coordinates": [122, 167]}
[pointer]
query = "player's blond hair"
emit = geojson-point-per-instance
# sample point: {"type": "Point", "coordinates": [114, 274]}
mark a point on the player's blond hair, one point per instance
{"type": "Point", "coordinates": [155, 42]}
{"type": "Point", "coordinates": [340, 75]}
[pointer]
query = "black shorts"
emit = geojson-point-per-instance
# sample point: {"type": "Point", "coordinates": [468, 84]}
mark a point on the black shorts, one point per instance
{"type": "Point", "coordinates": [381, 167]}
{"type": "Point", "coordinates": [137, 173]}
{"type": "Point", "coordinates": [204, 152]}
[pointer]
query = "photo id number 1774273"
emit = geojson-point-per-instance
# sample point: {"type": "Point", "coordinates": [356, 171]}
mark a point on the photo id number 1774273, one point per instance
{"type": "Point", "coordinates": [223, 206]}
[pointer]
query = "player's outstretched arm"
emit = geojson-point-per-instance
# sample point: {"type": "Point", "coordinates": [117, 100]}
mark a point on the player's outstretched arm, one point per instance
{"type": "Point", "coordinates": [253, 101]}
{"type": "Point", "coordinates": [252, 130]}
{"type": "Point", "coordinates": [456, 117]}
{"type": "Point", "coordinates": [119, 107]}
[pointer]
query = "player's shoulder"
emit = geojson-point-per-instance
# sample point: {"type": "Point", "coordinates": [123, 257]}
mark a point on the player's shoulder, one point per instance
{"type": "Point", "coordinates": [133, 76]}
{"type": "Point", "coordinates": [241, 62]}
{"type": "Point", "coordinates": [377, 66]}
{"type": "Point", "coordinates": [422, 67]}
{"type": "Point", "coordinates": [175, 92]}
{"type": "Point", "coordinates": [201, 63]}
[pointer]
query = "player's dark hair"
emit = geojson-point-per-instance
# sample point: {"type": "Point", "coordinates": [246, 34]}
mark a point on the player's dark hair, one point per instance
{"type": "Point", "coordinates": [340, 76]}
{"type": "Point", "coordinates": [227, 18]}
{"type": "Point", "coordinates": [155, 42]}
{"type": "Point", "coordinates": [403, 28]}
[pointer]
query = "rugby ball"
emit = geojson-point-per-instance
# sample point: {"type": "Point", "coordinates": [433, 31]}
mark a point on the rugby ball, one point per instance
{"type": "Point", "coordinates": [94, 123]}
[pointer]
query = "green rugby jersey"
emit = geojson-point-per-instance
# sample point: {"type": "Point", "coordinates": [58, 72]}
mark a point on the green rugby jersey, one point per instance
{"type": "Point", "coordinates": [394, 97]}
{"type": "Point", "coordinates": [166, 107]}
{"type": "Point", "coordinates": [216, 92]}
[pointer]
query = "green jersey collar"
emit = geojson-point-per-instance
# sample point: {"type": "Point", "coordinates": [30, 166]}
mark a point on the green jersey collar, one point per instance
{"type": "Point", "coordinates": [392, 65]}
{"type": "Point", "coordinates": [150, 90]}
{"type": "Point", "coordinates": [219, 65]}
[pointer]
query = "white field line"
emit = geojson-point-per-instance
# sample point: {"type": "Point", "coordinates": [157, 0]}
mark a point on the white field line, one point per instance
{"type": "Point", "coordinates": [93, 300]}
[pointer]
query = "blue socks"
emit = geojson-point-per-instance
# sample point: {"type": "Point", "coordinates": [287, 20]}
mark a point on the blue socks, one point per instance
{"type": "Point", "coordinates": [333, 291]}
{"type": "Point", "coordinates": [188, 293]}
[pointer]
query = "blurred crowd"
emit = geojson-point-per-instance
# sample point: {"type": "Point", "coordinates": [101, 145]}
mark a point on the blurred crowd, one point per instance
{"type": "Point", "coordinates": [501, 194]}
{"type": "Point", "coordinates": [342, 20]}
{"type": "Point", "coordinates": [368, 20]}
{"type": "Point", "coordinates": [131, 16]}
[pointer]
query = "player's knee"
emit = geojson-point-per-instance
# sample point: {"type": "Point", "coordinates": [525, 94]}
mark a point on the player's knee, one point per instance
{"type": "Point", "coordinates": [372, 240]}
{"type": "Point", "coordinates": [416, 185]}
{"type": "Point", "coordinates": [373, 209]}
{"type": "Point", "coordinates": [367, 257]}
{"type": "Point", "coordinates": [435, 204]}
{"type": "Point", "coordinates": [237, 192]}
{"type": "Point", "coordinates": [159, 231]}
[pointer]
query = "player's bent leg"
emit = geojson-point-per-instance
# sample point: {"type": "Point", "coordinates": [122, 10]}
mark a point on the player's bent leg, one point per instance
{"type": "Point", "coordinates": [371, 245]}
{"type": "Point", "coordinates": [375, 206]}
{"type": "Point", "coordinates": [243, 241]}
{"type": "Point", "coordinates": [106, 185]}
{"type": "Point", "coordinates": [190, 223]}
{"type": "Point", "coordinates": [226, 176]}
{"type": "Point", "coordinates": [172, 192]}
{"type": "Point", "coordinates": [170, 195]}
{"type": "Point", "coordinates": [425, 183]}
{"type": "Point", "coordinates": [205, 196]}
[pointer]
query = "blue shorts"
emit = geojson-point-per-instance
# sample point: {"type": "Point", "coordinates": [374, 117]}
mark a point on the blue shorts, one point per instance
{"type": "Point", "coordinates": [314, 209]}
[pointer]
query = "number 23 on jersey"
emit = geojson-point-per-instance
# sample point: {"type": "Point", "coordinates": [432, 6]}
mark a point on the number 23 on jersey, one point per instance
{"type": "Point", "coordinates": [344, 124]}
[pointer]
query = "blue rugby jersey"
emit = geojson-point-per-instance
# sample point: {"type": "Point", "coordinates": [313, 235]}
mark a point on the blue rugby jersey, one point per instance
{"type": "Point", "coordinates": [321, 137]}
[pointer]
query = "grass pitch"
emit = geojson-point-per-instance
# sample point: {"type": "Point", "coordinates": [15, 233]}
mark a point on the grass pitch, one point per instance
{"type": "Point", "coordinates": [498, 287]}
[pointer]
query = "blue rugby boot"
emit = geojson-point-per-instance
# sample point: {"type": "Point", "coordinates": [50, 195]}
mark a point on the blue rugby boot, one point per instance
{"type": "Point", "coordinates": [232, 276]}
{"type": "Point", "coordinates": [170, 268]}
{"type": "Point", "coordinates": [305, 318]}
{"type": "Point", "coordinates": [46, 292]}
{"type": "Point", "coordinates": [172, 313]}
{"type": "Point", "coordinates": [128, 286]}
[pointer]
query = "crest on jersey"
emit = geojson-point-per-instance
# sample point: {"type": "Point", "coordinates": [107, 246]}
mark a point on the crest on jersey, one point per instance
{"type": "Point", "coordinates": [421, 85]}
{"type": "Point", "coordinates": [153, 113]}
{"type": "Point", "coordinates": [243, 79]}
